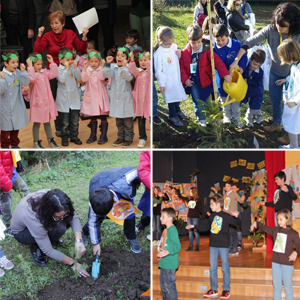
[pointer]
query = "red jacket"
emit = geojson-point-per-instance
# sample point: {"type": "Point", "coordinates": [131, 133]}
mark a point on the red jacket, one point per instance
{"type": "Point", "coordinates": [6, 171]}
{"type": "Point", "coordinates": [144, 169]}
{"type": "Point", "coordinates": [205, 72]}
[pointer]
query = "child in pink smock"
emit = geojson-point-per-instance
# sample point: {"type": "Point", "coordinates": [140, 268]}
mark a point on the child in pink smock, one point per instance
{"type": "Point", "coordinates": [42, 105]}
{"type": "Point", "coordinates": [89, 48]}
{"type": "Point", "coordinates": [95, 100]}
{"type": "Point", "coordinates": [140, 68]}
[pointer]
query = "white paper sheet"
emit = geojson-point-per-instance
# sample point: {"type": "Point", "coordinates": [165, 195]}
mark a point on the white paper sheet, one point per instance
{"type": "Point", "coordinates": [87, 19]}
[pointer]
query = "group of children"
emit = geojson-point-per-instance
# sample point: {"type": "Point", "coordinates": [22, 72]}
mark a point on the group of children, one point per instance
{"type": "Point", "coordinates": [222, 224]}
{"type": "Point", "coordinates": [118, 86]}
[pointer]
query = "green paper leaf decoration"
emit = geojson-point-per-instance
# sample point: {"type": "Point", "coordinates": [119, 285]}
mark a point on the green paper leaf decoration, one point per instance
{"type": "Point", "coordinates": [13, 56]}
{"type": "Point", "coordinates": [60, 56]}
{"type": "Point", "coordinates": [98, 55]}
{"type": "Point", "coordinates": [68, 54]}
{"type": "Point", "coordinates": [32, 58]}
{"type": "Point", "coordinates": [141, 55]}
{"type": "Point", "coordinates": [4, 57]}
{"type": "Point", "coordinates": [123, 49]}
{"type": "Point", "coordinates": [39, 56]}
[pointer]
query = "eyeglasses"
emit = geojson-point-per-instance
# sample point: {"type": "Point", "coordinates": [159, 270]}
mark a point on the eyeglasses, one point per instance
{"type": "Point", "coordinates": [53, 24]}
{"type": "Point", "coordinates": [237, 4]}
{"type": "Point", "coordinates": [62, 217]}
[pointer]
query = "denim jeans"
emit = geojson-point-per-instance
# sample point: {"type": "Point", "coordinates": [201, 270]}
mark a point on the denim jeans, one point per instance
{"type": "Point", "coordinates": [282, 273]}
{"type": "Point", "coordinates": [192, 232]}
{"type": "Point", "coordinates": [233, 238]}
{"type": "Point", "coordinates": [168, 285]}
{"type": "Point", "coordinates": [276, 98]}
{"type": "Point", "coordinates": [25, 237]}
{"type": "Point", "coordinates": [202, 94]}
{"type": "Point", "coordinates": [173, 109]}
{"type": "Point", "coordinates": [155, 101]}
{"type": "Point", "coordinates": [213, 259]}
{"type": "Point", "coordinates": [1, 253]}
{"type": "Point", "coordinates": [239, 231]}
{"type": "Point", "coordinates": [156, 228]}
{"type": "Point", "coordinates": [69, 120]}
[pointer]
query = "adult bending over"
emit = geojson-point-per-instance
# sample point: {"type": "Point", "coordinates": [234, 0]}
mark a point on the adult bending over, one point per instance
{"type": "Point", "coordinates": [235, 21]}
{"type": "Point", "coordinates": [40, 220]}
{"type": "Point", "coordinates": [285, 23]}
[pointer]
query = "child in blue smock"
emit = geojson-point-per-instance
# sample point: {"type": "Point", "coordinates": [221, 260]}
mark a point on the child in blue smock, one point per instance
{"type": "Point", "coordinates": [121, 101]}
{"type": "Point", "coordinates": [13, 114]}
{"type": "Point", "coordinates": [227, 49]}
{"type": "Point", "coordinates": [67, 97]}
{"type": "Point", "coordinates": [254, 75]}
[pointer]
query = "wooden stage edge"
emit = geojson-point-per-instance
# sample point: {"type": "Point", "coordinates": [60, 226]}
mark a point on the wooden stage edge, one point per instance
{"type": "Point", "coordinates": [247, 258]}
{"type": "Point", "coordinates": [26, 138]}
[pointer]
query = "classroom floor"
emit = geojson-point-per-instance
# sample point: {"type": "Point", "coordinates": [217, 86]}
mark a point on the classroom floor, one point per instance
{"type": "Point", "coordinates": [26, 138]}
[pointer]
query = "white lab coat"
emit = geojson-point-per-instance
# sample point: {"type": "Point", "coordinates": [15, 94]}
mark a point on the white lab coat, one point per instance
{"type": "Point", "coordinates": [167, 73]}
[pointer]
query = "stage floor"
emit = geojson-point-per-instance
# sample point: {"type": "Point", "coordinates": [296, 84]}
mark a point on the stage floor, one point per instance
{"type": "Point", "coordinates": [246, 258]}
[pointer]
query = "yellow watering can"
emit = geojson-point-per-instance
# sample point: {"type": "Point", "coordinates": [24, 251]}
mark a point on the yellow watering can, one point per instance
{"type": "Point", "coordinates": [236, 89]}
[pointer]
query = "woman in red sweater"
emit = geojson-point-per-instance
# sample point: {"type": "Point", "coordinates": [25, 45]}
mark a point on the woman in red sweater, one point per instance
{"type": "Point", "coordinates": [56, 39]}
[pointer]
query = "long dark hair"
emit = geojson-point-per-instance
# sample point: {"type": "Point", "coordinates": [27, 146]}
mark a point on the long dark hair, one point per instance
{"type": "Point", "coordinates": [51, 202]}
{"type": "Point", "coordinates": [287, 12]}
{"type": "Point", "coordinates": [196, 194]}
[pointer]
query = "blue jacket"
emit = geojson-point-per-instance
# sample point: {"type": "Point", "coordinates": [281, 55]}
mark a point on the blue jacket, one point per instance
{"type": "Point", "coordinates": [121, 182]}
{"type": "Point", "coordinates": [255, 82]}
{"type": "Point", "coordinates": [228, 53]}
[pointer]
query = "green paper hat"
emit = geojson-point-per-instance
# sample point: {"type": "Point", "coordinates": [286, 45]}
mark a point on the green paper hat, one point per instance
{"type": "Point", "coordinates": [37, 58]}
{"type": "Point", "coordinates": [142, 54]}
{"type": "Point", "coordinates": [65, 54]}
{"type": "Point", "coordinates": [123, 49]}
{"type": "Point", "coordinates": [11, 56]}
{"type": "Point", "coordinates": [98, 55]}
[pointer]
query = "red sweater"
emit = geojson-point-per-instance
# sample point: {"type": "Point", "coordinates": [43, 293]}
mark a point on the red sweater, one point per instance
{"type": "Point", "coordinates": [53, 42]}
{"type": "Point", "coordinates": [205, 72]}
{"type": "Point", "coordinates": [6, 170]}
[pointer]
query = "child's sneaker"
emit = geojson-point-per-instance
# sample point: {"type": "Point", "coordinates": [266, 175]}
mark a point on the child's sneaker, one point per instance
{"type": "Point", "coordinates": [5, 263]}
{"type": "Point", "coordinates": [52, 144]}
{"type": "Point", "coordinates": [142, 143]}
{"type": "Point", "coordinates": [118, 142]}
{"type": "Point", "coordinates": [234, 251]}
{"type": "Point", "coordinates": [127, 144]}
{"type": "Point", "coordinates": [156, 120]}
{"type": "Point", "coordinates": [8, 232]}
{"type": "Point", "coordinates": [211, 293]}
{"type": "Point", "coordinates": [239, 246]}
{"type": "Point", "coordinates": [1, 273]}
{"type": "Point", "coordinates": [38, 145]}
{"type": "Point", "coordinates": [225, 295]}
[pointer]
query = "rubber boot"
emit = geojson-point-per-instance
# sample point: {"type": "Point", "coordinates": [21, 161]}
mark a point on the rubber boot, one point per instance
{"type": "Point", "coordinates": [259, 116]}
{"type": "Point", "coordinates": [103, 137]}
{"type": "Point", "coordinates": [93, 136]}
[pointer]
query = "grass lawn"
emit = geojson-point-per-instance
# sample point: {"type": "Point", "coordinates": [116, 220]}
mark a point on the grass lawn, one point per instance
{"type": "Point", "coordinates": [71, 174]}
{"type": "Point", "coordinates": [190, 135]}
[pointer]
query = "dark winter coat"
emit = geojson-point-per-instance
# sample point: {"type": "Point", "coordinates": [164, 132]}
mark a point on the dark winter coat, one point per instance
{"type": "Point", "coordinates": [235, 21]}
{"type": "Point", "coordinates": [26, 11]}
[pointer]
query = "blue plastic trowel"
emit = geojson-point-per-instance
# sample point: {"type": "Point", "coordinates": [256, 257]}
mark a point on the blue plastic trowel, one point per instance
{"type": "Point", "coordinates": [96, 268]}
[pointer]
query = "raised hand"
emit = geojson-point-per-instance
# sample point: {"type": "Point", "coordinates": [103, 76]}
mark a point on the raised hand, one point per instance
{"type": "Point", "coordinates": [147, 55]}
{"type": "Point", "coordinates": [29, 62]}
{"type": "Point", "coordinates": [109, 59]}
{"type": "Point", "coordinates": [103, 63]}
{"type": "Point", "coordinates": [2, 75]}
{"type": "Point", "coordinates": [41, 31]}
{"type": "Point", "coordinates": [84, 33]}
{"type": "Point", "coordinates": [85, 63]}
{"type": "Point", "coordinates": [125, 63]}
{"type": "Point", "coordinates": [22, 67]}
{"type": "Point", "coordinates": [75, 64]}
{"type": "Point", "coordinates": [50, 59]}
{"type": "Point", "coordinates": [131, 55]}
